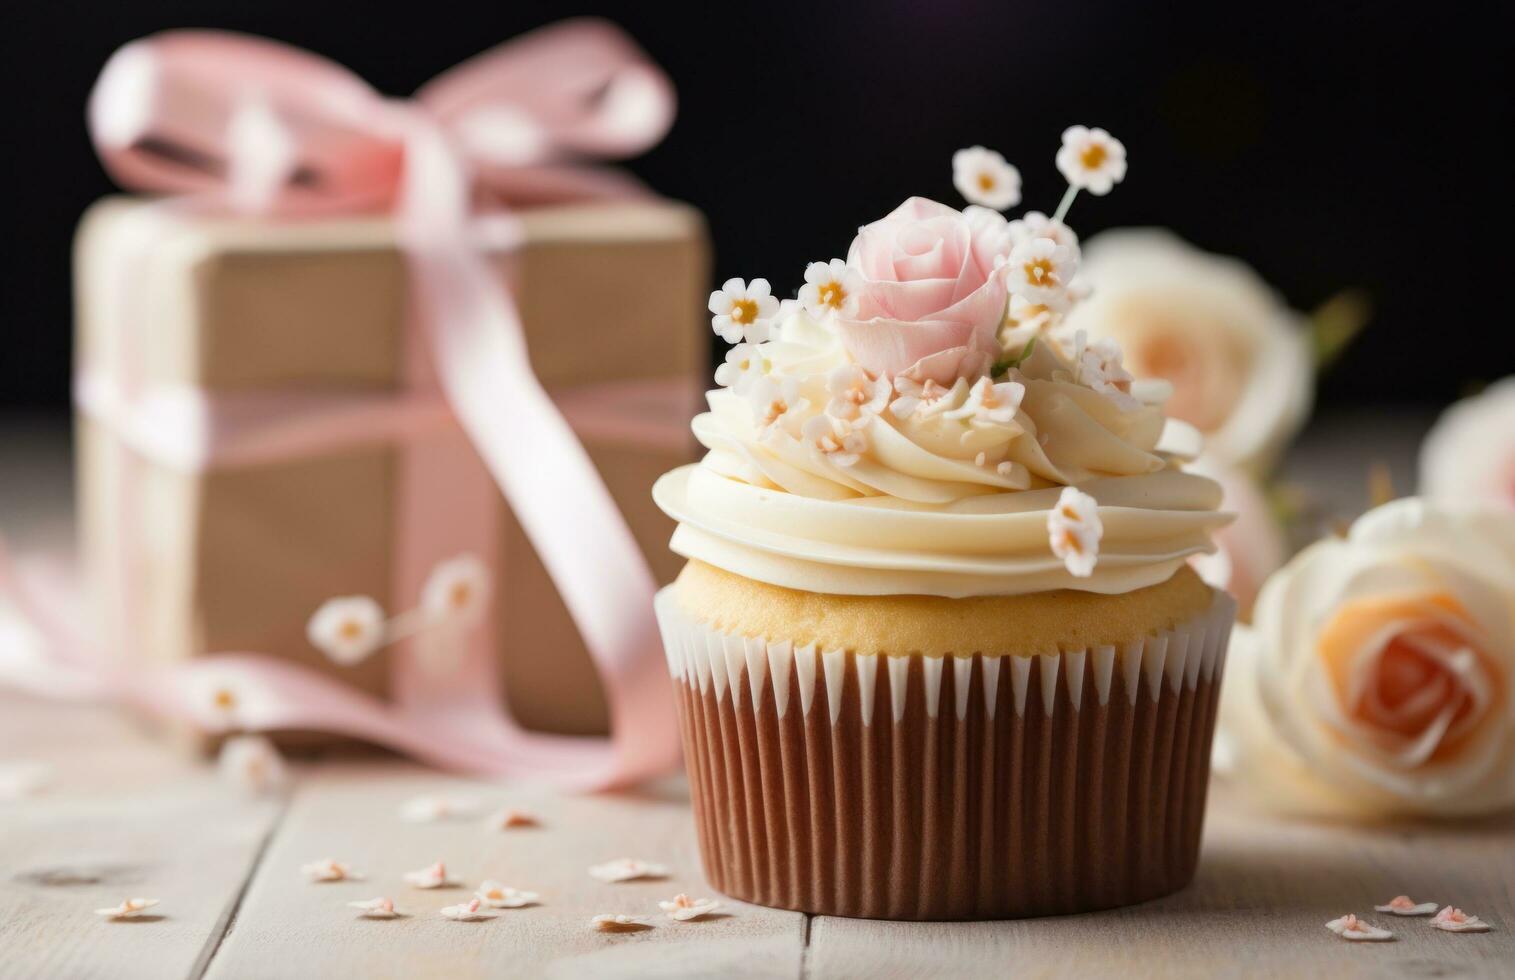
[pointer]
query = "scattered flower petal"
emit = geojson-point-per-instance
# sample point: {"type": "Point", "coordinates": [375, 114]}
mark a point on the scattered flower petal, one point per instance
{"type": "Point", "coordinates": [375, 908]}
{"type": "Point", "coordinates": [985, 178]}
{"type": "Point", "coordinates": [742, 311]}
{"type": "Point", "coordinates": [251, 764]}
{"type": "Point", "coordinates": [499, 896]}
{"type": "Point", "coordinates": [1402, 905]}
{"type": "Point", "coordinates": [328, 869]}
{"type": "Point", "coordinates": [619, 923]}
{"type": "Point", "coordinates": [1452, 919]}
{"type": "Point", "coordinates": [129, 908]}
{"type": "Point", "coordinates": [627, 869]}
{"type": "Point", "coordinates": [433, 876]}
{"type": "Point", "coordinates": [684, 909]}
{"type": "Point", "coordinates": [430, 809]}
{"type": "Point", "coordinates": [831, 287]}
{"type": "Point", "coordinates": [347, 629]}
{"type": "Point", "coordinates": [1091, 159]}
{"type": "Point", "coordinates": [471, 911]}
{"type": "Point", "coordinates": [510, 819]}
{"type": "Point", "coordinates": [1074, 530]}
{"type": "Point", "coordinates": [457, 590]}
{"type": "Point", "coordinates": [1351, 927]}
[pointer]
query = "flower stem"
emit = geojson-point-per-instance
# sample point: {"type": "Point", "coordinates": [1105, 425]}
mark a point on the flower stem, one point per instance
{"type": "Point", "coordinates": [1066, 202]}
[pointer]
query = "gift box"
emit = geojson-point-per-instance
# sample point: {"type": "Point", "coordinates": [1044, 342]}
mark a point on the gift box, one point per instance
{"type": "Point", "coordinates": [198, 538]}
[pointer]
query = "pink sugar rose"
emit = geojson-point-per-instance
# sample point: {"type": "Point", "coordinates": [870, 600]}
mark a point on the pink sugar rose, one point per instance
{"type": "Point", "coordinates": [932, 298]}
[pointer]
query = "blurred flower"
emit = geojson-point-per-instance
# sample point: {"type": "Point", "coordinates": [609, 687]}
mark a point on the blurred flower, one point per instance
{"type": "Point", "coordinates": [1404, 905]}
{"type": "Point", "coordinates": [1091, 159]}
{"type": "Point", "coordinates": [619, 923]}
{"type": "Point", "coordinates": [375, 908]}
{"type": "Point", "coordinates": [742, 311]}
{"type": "Point", "coordinates": [431, 876]}
{"type": "Point", "coordinates": [498, 896]}
{"type": "Point", "coordinates": [19, 780]}
{"type": "Point", "coordinates": [1034, 224]}
{"type": "Point", "coordinates": [1074, 530]}
{"type": "Point", "coordinates": [456, 590]}
{"type": "Point", "coordinates": [627, 869]}
{"type": "Point", "coordinates": [1251, 547]}
{"type": "Point", "coordinates": [470, 911]}
{"type": "Point", "coordinates": [684, 909]}
{"type": "Point", "coordinates": [347, 629]}
{"type": "Point", "coordinates": [329, 869]}
{"type": "Point", "coordinates": [984, 177]}
{"type": "Point", "coordinates": [1040, 271]}
{"type": "Point", "coordinates": [1351, 927]}
{"type": "Point", "coordinates": [251, 764]}
{"type": "Point", "coordinates": [431, 809]}
{"type": "Point", "coordinates": [831, 287]}
{"type": "Point", "coordinates": [1468, 457]}
{"type": "Point", "coordinates": [1238, 358]}
{"type": "Point", "coordinates": [128, 909]}
{"type": "Point", "coordinates": [1377, 678]}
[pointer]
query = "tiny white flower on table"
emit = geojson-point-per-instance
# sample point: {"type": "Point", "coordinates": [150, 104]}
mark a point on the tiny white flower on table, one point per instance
{"type": "Point", "coordinates": [19, 780]}
{"type": "Point", "coordinates": [840, 440]}
{"type": "Point", "coordinates": [627, 869]}
{"type": "Point", "coordinates": [776, 402]}
{"type": "Point", "coordinates": [1034, 224]}
{"type": "Point", "coordinates": [854, 393]}
{"type": "Point", "coordinates": [1402, 905]}
{"type": "Point", "coordinates": [470, 911]}
{"type": "Point", "coordinates": [831, 287]}
{"type": "Point", "coordinates": [251, 764]}
{"type": "Point", "coordinates": [1351, 927]}
{"type": "Point", "coordinates": [1074, 530]}
{"type": "Point", "coordinates": [430, 809]}
{"type": "Point", "coordinates": [1091, 159]}
{"type": "Point", "coordinates": [375, 908]}
{"type": "Point", "coordinates": [329, 869]}
{"type": "Point", "coordinates": [990, 402]}
{"type": "Point", "coordinates": [684, 909]}
{"type": "Point", "coordinates": [1040, 271]}
{"type": "Point", "coordinates": [619, 923]}
{"type": "Point", "coordinates": [986, 178]}
{"type": "Point", "coordinates": [499, 896]}
{"type": "Point", "coordinates": [456, 590]}
{"type": "Point", "coordinates": [511, 819]}
{"type": "Point", "coordinates": [742, 311]}
{"type": "Point", "coordinates": [347, 629]}
{"type": "Point", "coordinates": [432, 876]}
{"type": "Point", "coordinates": [128, 909]}
{"type": "Point", "coordinates": [1450, 919]}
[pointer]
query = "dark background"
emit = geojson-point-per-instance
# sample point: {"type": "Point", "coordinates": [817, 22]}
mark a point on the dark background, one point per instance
{"type": "Point", "coordinates": [1331, 146]}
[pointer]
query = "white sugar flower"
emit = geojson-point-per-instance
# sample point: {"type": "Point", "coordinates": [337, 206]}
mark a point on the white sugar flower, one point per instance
{"type": "Point", "coordinates": [683, 908]}
{"type": "Point", "coordinates": [831, 287]}
{"type": "Point", "coordinates": [1402, 905]}
{"type": "Point", "coordinates": [1074, 530]}
{"type": "Point", "coordinates": [776, 402]}
{"type": "Point", "coordinates": [619, 923]}
{"type": "Point", "coordinates": [128, 909]}
{"type": "Point", "coordinates": [1351, 927]}
{"type": "Point", "coordinates": [221, 698]}
{"type": "Point", "coordinates": [854, 393]}
{"type": "Point", "coordinates": [744, 365]}
{"type": "Point", "coordinates": [347, 629]}
{"type": "Point", "coordinates": [1099, 366]}
{"type": "Point", "coordinates": [984, 177]}
{"type": "Point", "coordinates": [471, 911]}
{"type": "Point", "coordinates": [990, 402]}
{"type": "Point", "coordinates": [840, 440]}
{"type": "Point", "coordinates": [432, 876]}
{"type": "Point", "coordinates": [742, 311]}
{"type": "Point", "coordinates": [1034, 224]}
{"type": "Point", "coordinates": [1456, 920]}
{"type": "Point", "coordinates": [627, 869]}
{"type": "Point", "coordinates": [510, 819]}
{"type": "Point", "coordinates": [251, 764]}
{"type": "Point", "coordinates": [329, 869]}
{"type": "Point", "coordinates": [917, 397]}
{"type": "Point", "coordinates": [499, 896]}
{"type": "Point", "coordinates": [1040, 271]}
{"type": "Point", "coordinates": [375, 908]}
{"type": "Point", "coordinates": [1091, 159]}
{"type": "Point", "coordinates": [456, 590]}
{"type": "Point", "coordinates": [990, 231]}
{"type": "Point", "coordinates": [430, 809]}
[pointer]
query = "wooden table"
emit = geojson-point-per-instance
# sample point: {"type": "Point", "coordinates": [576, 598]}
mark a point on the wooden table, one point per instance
{"type": "Point", "coordinates": [124, 815]}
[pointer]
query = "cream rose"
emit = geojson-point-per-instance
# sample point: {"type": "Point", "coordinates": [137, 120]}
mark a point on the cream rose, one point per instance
{"type": "Point", "coordinates": [1377, 678]}
{"type": "Point", "coordinates": [1469, 455]}
{"type": "Point", "coordinates": [932, 296]}
{"type": "Point", "coordinates": [1237, 356]}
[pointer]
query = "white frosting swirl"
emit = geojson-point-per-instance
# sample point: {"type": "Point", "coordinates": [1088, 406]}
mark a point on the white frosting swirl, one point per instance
{"type": "Point", "coordinates": [824, 478]}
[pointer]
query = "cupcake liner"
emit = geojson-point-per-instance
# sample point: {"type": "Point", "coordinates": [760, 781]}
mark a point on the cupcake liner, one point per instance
{"type": "Point", "coordinates": [918, 787]}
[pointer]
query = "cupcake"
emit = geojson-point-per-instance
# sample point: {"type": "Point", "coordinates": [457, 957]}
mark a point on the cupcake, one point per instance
{"type": "Point", "coordinates": [937, 650]}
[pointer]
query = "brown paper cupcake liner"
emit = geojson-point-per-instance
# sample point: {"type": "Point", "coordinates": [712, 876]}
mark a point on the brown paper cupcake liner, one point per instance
{"type": "Point", "coordinates": [974, 787]}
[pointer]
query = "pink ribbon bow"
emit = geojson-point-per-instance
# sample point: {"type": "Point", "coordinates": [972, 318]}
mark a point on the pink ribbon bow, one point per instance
{"type": "Point", "coordinates": [228, 121]}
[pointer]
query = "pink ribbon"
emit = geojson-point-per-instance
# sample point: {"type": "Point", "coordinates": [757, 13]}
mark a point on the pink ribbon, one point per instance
{"type": "Point", "coordinates": [232, 122]}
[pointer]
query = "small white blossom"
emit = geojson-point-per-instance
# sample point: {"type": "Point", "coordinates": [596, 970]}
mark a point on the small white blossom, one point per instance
{"type": "Point", "coordinates": [990, 402]}
{"type": "Point", "coordinates": [1091, 159]}
{"type": "Point", "coordinates": [742, 311]}
{"type": "Point", "coordinates": [347, 629]}
{"type": "Point", "coordinates": [1098, 366]}
{"type": "Point", "coordinates": [128, 909]}
{"type": "Point", "coordinates": [509, 819]}
{"type": "Point", "coordinates": [831, 287]}
{"type": "Point", "coordinates": [1074, 530]}
{"type": "Point", "coordinates": [430, 809]}
{"type": "Point", "coordinates": [1402, 905]}
{"type": "Point", "coordinates": [432, 876]}
{"type": "Point", "coordinates": [221, 699]}
{"type": "Point", "coordinates": [329, 869]}
{"type": "Point", "coordinates": [683, 908]}
{"type": "Point", "coordinates": [499, 896]}
{"type": "Point", "coordinates": [854, 393]}
{"type": "Point", "coordinates": [375, 908]}
{"type": "Point", "coordinates": [1351, 927]}
{"type": "Point", "coordinates": [627, 869]}
{"type": "Point", "coordinates": [456, 590]}
{"type": "Point", "coordinates": [984, 177]}
{"type": "Point", "coordinates": [917, 397]}
{"type": "Point", "coordinates": [1456, 920]}
{"type": "Point", "coordinates": [744, 365]}
{"type": "Point", "coordinates": [251, 764]}
{"type": "Point", "coordinates": [1034, 224]}
{"type": "Point", "coordinates": [619, 923]}
{"type": "Point", "coordinates": [471, 911]}
{"type": "Point", "coordinates": [1040, 271]}
{"type": "Point", "coordinates": [840, 440]}
{"type": "Point", "coordinates": [990, 230]}
{"type": "Point", "coordinates": [776, 401]}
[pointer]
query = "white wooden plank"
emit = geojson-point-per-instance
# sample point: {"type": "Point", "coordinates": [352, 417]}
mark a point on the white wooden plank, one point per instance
{"type": "Point", "coordinates": [351, 814]}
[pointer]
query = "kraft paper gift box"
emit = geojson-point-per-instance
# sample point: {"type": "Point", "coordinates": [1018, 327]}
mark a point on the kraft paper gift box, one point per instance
{"type": "Point", "coordinates": [187, 551]}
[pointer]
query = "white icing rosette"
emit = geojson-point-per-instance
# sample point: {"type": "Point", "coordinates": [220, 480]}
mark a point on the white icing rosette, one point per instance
{"type": "Point", "coordinates": [1377, 678]}
{"type": "Point", "coordinates": [1238, 358]}
{"type": "Point", "coordinates": [1469, 455]}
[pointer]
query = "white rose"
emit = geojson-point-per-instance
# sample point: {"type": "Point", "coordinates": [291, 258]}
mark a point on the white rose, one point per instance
{"type": "Point", "coordinates": [1238, 357]}
{"type": "Point", "coordinates": [1469, 455]}
{"type": "Point", "coordinates": [1377, 677]}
